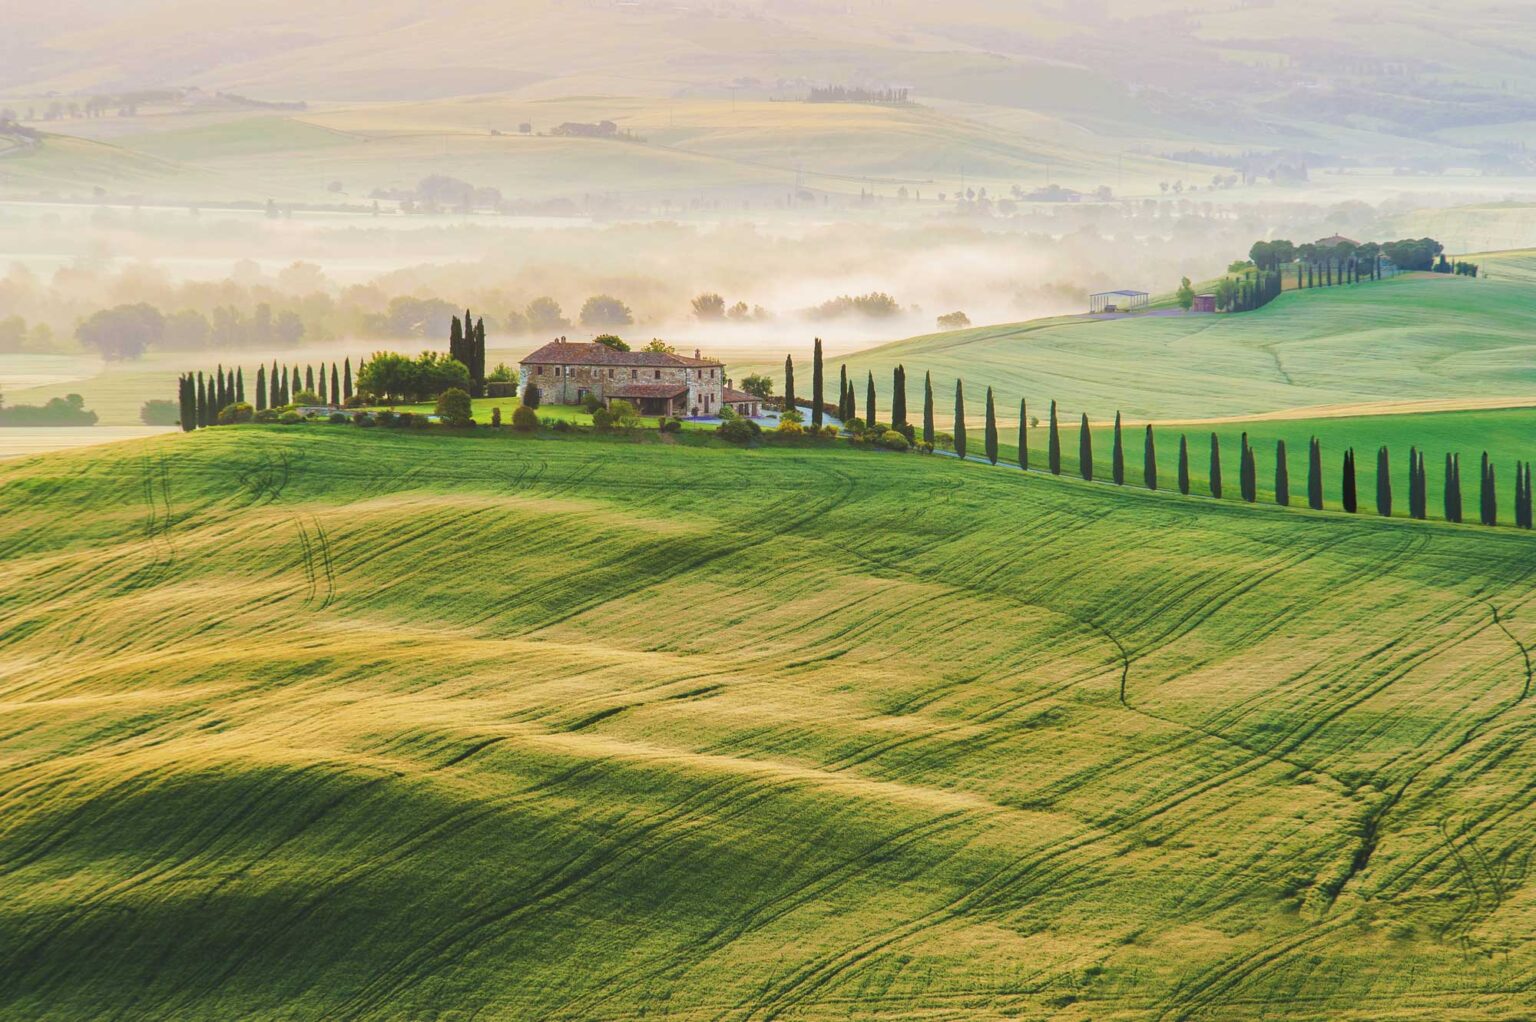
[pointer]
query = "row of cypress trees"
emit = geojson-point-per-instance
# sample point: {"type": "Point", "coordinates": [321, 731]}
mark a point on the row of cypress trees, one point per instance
{"type": "Point", "coordinates": [1248, 472]}
{"type": "Point", "coordinates": [200, 400]}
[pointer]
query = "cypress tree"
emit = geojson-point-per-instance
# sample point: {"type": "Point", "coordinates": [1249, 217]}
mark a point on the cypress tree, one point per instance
{"type": "Point", "coordinates": [186, 404]}
{"type": "Point", "coordinates": [1247, 472]}
{"type": "Point", "coordinates": [1215, 467]}
{"type": "Point", "coordinates": [216, 388]}
{"type": "Point", "coordinates": [1450, 499]}
{"type": "Point", "coordinates": [1490, 507]}
{"type": "Point", "coordinates": [1117, 455]}
{"type": "Point", "coordinates": [1383, 484]}
{"type": "Point", "coordinates": [240, 385]}
{"type": "Point", "coordinates": [1053, 441]}
{"type": "Point", "coordinates": [1023, 436]}
{"type": "Point", "coordinates": [320, 384]}
{"type": "Point", "coordinates": [1423, 487]}
{"type": "Point", "coordinates": [261, 388]}
{"type": "Point", "coordinates": [1349, 496]}
{"type": "Point", "coordinates": [928, 408]}
{"type": "Point", "coordinates": [297, 378]}
{"type": "Point", "coordinates": [1149, 459]}
{"type": "Point", "coordinates": [346, 380]}
{"type": "Point", "coordinates": [817, 386]}
{"type": "Point", "coordinates": [1282, 476]}
{"type": "Point", "coordinates": [960, 419]}
{"type": "Point", "coordinates": [899, 399]}
{"type": "Point", "coordinates": [1528, 519]}
{"type": "Point", "coordinates": [1315, 475]}
{"type": "Point", "coordinates": [274, 394]}
{"type": "Point", "coordinates": [989, 437]}
{"type": "Point", "coordinates": [1415, 495]}
{"type": "Point", "coordinates": [335, 386]}
{"type": "Point", "coordinates": [842, 393]}
{"type": "Point", "coordinates": [201, 401]}
{"type": "Point", "coordinates": [479, 367]}
{"type": "Point", "coordinates": [869, 396]}
{"type": "Point", "coordinates": [456, 343]}
{"type": "Point", "coordinates": [1184, 464]}
{"type": "Point", "coordinates": [1085, 449]}
{"type": "Point", "coordinates": [309, 379]}
{"type": "Point", "coordinates": [789, 383]}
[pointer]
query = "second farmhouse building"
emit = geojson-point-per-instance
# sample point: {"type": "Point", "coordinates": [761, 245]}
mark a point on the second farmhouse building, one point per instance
{"type": "Point", "coordinates": [655, 382]}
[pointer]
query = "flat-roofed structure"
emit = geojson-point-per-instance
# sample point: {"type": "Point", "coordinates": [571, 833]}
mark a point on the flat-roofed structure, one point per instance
{"type": "Point", "coordinates": [1118, 301]}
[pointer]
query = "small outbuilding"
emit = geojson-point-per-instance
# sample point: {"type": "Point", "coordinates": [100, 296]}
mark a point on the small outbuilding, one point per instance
{"type": "Point", "coordinates": [1204, 303]}
{"type": "Point", "coordinates": [1118, 301]}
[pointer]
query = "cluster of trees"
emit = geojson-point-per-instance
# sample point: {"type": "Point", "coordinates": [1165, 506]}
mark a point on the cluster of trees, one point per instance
{"type": "Point", "coordinates": [711, 308]}
{"type": "Point", "coordinates": [69, 410]}
{"type": "Point", "coordinates": [466, 346]}
{"type": "Point", "coordinates": [204, 401]}
{"type": "Point", "coordinates": [392, 378]}
{"type": "Point", "coordinates": [853, 94]}
{"type": "Point", "coordinates": [875, 305]}
{"type": "Point", "coordinates": [125, 331]}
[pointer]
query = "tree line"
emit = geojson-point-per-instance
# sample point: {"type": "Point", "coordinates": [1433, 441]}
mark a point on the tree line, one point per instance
{"type": "Point", "coordinates": [847, 409]}
{"type": "Point", "coordinates": [220, 396]}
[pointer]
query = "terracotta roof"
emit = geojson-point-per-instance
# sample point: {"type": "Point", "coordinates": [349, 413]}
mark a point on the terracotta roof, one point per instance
{"type": "Point", "coordinates": [734, 396]}
{"type": "Point", "coordinates": [590, 353]}
{"type": "Point", "coordinates": [650, 390]}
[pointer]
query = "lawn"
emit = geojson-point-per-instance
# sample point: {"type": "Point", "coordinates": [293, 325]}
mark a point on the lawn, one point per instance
{"type": "Point", "coordinates": [323, 723]}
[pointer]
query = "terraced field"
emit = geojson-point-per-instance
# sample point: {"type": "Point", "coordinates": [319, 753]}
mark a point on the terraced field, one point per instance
{"type": "Point", "coordinates": [1412, 338]}
{"type": "Point", "coordinates": [340, 724]}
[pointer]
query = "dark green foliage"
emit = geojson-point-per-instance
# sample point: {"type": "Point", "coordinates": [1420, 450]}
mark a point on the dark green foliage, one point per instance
{"type": "Point", "coordinates": [1183, 464]}
{"type": "Point", "coordinates": [1215, 470]}
{"type": "Point", "coordinates": [899, 398]}
{"type": "Point", "coordinates": [818, 386]}
{"type": "Point", "coordinates": [1488, 501]}
{"type": "Point", "coordinates": [309, 379]}
{"type": "Point", "coordinates": [1085, 449]}
{"type": "Point", "coordinates": [240, 386]}
{"type": "Point", "coordinates": [1315, 475]}
{"type": "Point", "coordinates": [261, 388]}
{"type": "Point", "coordinates": [320, 385]}
{"type": "Point", "coordinates": [959, 419]}
{"type": "Point", "coordinates": [1282, 476]}
{"type": "Point", "coordinates": [789, 383]}
{"type": "Point", "coordinates": [1452, 488]}
{"type": "Point", "coordinates": [532, 396]}
{"type": "Point", "coordinates": [1247, 472]}
{"type": "Point", "coordinates": [186, 402]}
{"type": "Point", "coordinates": [346, 381]}
{"type": "Point", "coordinates": [1117, 455]}
{"type": "Point", "coordinates": [454, 408]}
{"type": "Point", "coordinates": [928, 408]}
{"type": "Point", "coordinates": [1525, 514]}
{"type": "Point", "coordinates": [869, 400]}
{"type": "Point", "coordinates": [989, 436]}
{"type": "Point", "coordinates": [1149, 459]}
{"type": "Point", "coordinates": [1023, 435]}
{"type": "Point", "coordinates": [477, 368]}
{"type": "Point", "coordinates": [274, 388]}
{"type": "Point", "coordinates": [1383, 484]}
{"type": "Point", "coordinates": [1416, 501]}
{"type": "Point", "coordinates": [1348, 495]}
{"type": "Point", "coordinates": [844, 410]}
{"type": "Point", "coordinates": [1053, 450]}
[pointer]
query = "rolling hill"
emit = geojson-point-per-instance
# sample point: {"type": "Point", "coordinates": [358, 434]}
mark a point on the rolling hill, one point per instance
{"type": "Point", "coordinates": [342, 724]}
{"type": "Point", "coordinates": [1410, 339]}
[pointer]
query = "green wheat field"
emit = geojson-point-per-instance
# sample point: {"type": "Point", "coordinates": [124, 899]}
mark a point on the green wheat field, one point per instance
{"type": "Point", "coordinates": [331, 723]}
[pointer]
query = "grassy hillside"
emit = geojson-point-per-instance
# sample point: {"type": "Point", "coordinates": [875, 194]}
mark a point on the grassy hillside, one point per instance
{"type": "Point", "coordinates": [1408, 339]}
{"type": "Point", "coordinates": [341, 724]}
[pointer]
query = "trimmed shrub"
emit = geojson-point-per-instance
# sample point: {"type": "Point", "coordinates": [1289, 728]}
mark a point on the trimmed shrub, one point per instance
{"type": "Point", "coordinates": [338, 418]}
{"type": "Point", "coordinates": [454, 408]}
{"type": "Point", "coordinates": [290, 417]}
{"type": "Point", "coordinates": [496, 417]}
{"type": "Point", "coordinates": [828, 432]}
{"type": "Point", "coordinates": [894, 440]}
{"type": "Point", "coordinates": [266, 416]}
{"type": "Point", "coordinates": [525, 419]}
{"type": "Point", "coordinates": [363, 419]}
{"type": "Point", "coordinates": [358, 400]}
{"type": "Point", "coordinates": [306, 397]}
{"type": "Point", "coordinates": [236, 413]}
{"type": "Point", "coordinates": [740, 431]}
{"type": "Point", "coordinates": [670, 425]}
{"type": "Point", "coordinates": [406, 420]}
{"type": "Point", "coordinates": [386, 418]}
{"type": "Point", "coordinates": [602, 419]}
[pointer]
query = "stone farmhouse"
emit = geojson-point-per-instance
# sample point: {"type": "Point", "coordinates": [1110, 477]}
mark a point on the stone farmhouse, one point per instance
{"type": "Point", "coordinates": [655, 382]}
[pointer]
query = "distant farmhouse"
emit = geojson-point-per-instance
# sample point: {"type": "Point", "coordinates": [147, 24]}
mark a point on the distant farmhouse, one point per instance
{"type": "Point", "coordinates": [655, 382]}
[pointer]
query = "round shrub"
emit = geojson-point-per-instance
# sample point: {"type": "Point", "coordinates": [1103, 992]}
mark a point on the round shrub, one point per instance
{"type": "Point", "coordinates": [496, 417]}
{"type": "Point", "coordinates": [454, 408]}
{"type": "Point", "coordinates": [559, 425]}
{"type": "Point", "coordinates": [358, 400]}
{"type": "Point", "coordinates": [235, 413]}
{"type": "Point", "coordinates": [525, 419]}
{"type": "Point", "coordinates": [738, 431]}
{"type": "Point", "coordinates": [266, 415]}
{"type": "Point", "coordinates": [362, 419]}
{"type": "Point", "coordinates": [307, 397]}
{"type": "Point", "coordinates": [894, 440]}
{"type": "Point", "coordinates": [828, 431]}
{"type": "Point", "coordinates": [666, 425]}
{"type": "Point", "coordinates": [338, 418]}
{"type": "Point", "coordinates": [290, 417]}
{"type": "Point", "coordinates": [406, 420]}
{"type": "Point", "coordinates": [788, 427]}
{"type": "Point", "coordinates": [386, 418]}
{"type": "Point", "coordinates": [602, 418]}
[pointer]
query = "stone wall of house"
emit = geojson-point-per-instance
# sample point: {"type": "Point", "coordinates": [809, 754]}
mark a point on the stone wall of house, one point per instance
{"type": "Point", "coordinates": [565, 385]}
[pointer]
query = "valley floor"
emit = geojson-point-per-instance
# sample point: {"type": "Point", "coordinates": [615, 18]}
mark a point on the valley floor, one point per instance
{"type": "Point", "coordinates": [353, 724]}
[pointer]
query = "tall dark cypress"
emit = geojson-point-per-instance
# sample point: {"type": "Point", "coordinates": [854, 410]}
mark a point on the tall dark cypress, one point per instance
{"type": "Point", "coordinates": [456, 343]}
{"type": "Point", "coordinates": [1450, 497]}
{"type": "Point", "coordinates": [818, 386]}
{"type": "Point", "coordinates": [1149, 460]}
{"type": "Point", "coordinates": [928, 408]}
{"type": "Point", "coordinates": [1528, 512]}
{"type": "Point", "coordinates": [1215, 467]}
{"type": "Point", "coordinates": [1489, 505]}
{"type": "Point", "coordinates": [274, 390]}
{"type": "Point", "coordinates": [789, 383]}
{"type": "Point", "coordinates": [1053, 444]}
{"type": "Point", "coordinates": [346, 380]}
{"type": "Point", "coordinates": [842, 393]}
{"type": "Point", "coordinates": [320, 390]}
{"type": "Point", "coordinates": [298, 382]}
{"type": "Point", "coordinates": [1085, 449]}
{"type": "Point", "coordinates": [335, 385]}
{"type": "Point", "coordinates": [1184, 464]}
{"type": "Point", "coordinates": [959, 419]}
{"type": "Point", "coordinates": [202, 402]}
{"type": "Point", "coordinates": [1383, 484]}
{"type": "Point", "coordinates": [216, 396]}
{"type": "Point", "coordinates": [1282, 476]}
{"type": "Point", "coordinates": [309, 379]}
{"type": "Point", "coordinates": [989, 436]}
{"type": "Point", "coordinates": [1315, 475]}
{"type": "Point", "coordinates": [261, 388]}
{"type": "Point", "coordinates": [899, 399]}
{"type": "Point", "coordinates": [1423, 487]}
{"type": "Point", "coordinates": [869, 397]}
{"type": "Point", "coordinates": [240, 385]}
{"type": "Point", "coordinates": [1023, 435]}
{"type": "Point", "coordinates": [1349, 497]}
{"type": "Point", "coordinates": [1117, 455]}
{"type": "Point", "coordinates": [186, 405]}
{"type": "Point", "coordinates": [1415, 494]}
{"type": "Point", "coordinates": [1247, 472]}
{"type": "Point", "coordinates": [479, 367]}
